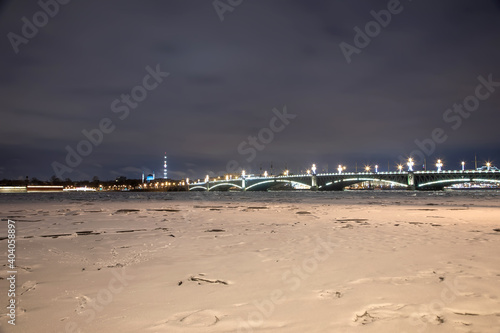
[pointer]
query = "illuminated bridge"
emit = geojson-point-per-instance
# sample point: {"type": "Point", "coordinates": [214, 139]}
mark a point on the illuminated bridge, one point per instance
{"type": "Point", "coordinates": [417, 180]}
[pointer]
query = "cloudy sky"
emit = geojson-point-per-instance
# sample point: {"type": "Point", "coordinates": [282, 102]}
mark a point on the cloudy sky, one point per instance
{"type": "Point", "coordinates": [74, 71]}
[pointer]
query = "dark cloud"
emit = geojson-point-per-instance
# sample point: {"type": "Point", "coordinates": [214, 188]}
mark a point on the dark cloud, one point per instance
{"type": "Point", "coordinates": [226, 78]}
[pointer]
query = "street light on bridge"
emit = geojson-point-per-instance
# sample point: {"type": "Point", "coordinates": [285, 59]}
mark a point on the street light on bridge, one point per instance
{"type": "Point", "coordinates": [265, 173]}
{"type": "Point", "coordinates": [439, 165]}
{"type": "Point", "coordinates": [340, 168]}
{"type": "Point", "coordinates": [243, 173]}
{"type": "Point", "coordinates": [308, 171]}
{"type": "Point", "coordinates": [410, 164]}
{"type": "Point", "coordinates": [367, 168]}
{"type": "Point", "coordinates": [463, 166]}
{"type": "Point", "coordinates": [207, 178]}
{"type": "Point", "coordinates": [488, 165]}
{"type": "Point", "coordinates": [400, 167]}
{"type": "Point", "coordinates": [313, 169]}
{"type": "Point", "coordinates": [187, 181]}
{"type": "Point", "coordinates": [376, 168]}
{"type": "Point", "coordinates": [286, 172]}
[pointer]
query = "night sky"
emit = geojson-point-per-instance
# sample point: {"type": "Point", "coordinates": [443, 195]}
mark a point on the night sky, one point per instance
{"type": "Point", "coordinates": [142, 78]}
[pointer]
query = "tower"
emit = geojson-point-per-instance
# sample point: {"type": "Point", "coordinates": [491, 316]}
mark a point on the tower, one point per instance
{"type": "Point", "coordinates": [165, 166]}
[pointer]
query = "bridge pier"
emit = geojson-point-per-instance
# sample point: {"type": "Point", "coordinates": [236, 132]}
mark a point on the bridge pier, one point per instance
{"type": "Point", "coordinates": [411, 181]}
{"type": "Point", "coordinates": [314, 183]}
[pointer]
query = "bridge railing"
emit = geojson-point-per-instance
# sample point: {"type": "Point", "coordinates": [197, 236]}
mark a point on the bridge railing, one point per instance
{"type": "Point", "coordinates": [457, 171]}
{"type": "Point", "coordinates": [355, 174]}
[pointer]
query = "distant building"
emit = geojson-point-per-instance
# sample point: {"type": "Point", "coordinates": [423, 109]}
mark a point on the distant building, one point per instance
{"type": "Point", "coordinates": [149, 177]}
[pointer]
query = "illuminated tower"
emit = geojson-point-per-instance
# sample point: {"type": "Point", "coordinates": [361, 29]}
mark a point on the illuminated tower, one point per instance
{"type": "Point", "coordinates": [165, 166]}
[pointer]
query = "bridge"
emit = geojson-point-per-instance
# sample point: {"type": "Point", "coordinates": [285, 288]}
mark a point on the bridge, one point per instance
{"type": "Point", "coordinates": [412, 180]}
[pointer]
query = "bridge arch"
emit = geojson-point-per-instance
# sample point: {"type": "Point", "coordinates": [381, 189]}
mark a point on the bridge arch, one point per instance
{"type": "Point", "coordinates": [199, 187]}
{"type": "Point", "coordinates": [273, 182]}
{"type": "Point", "coordinates": [228, 185]}
{"type": "Point", "coordinates": [341, 183]}
{"type": "Point", "coordinates": [446, 182]}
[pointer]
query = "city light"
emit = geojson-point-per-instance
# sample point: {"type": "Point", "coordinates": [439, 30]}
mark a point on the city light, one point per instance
{"type": "Point", "coordinates": [439, 165]}
{"type": "Point", "coordinates": [410, 164]}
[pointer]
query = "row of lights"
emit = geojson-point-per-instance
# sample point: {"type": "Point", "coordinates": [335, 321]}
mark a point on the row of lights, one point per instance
{"type": "Point", "coordinates": [439, 165]}
{"type": "Point", "coordinates": [165, 184]}
{"type": "Point", "coordinates": [342, 168]}
{"type": "Point", "coordinates": [266, 174]}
